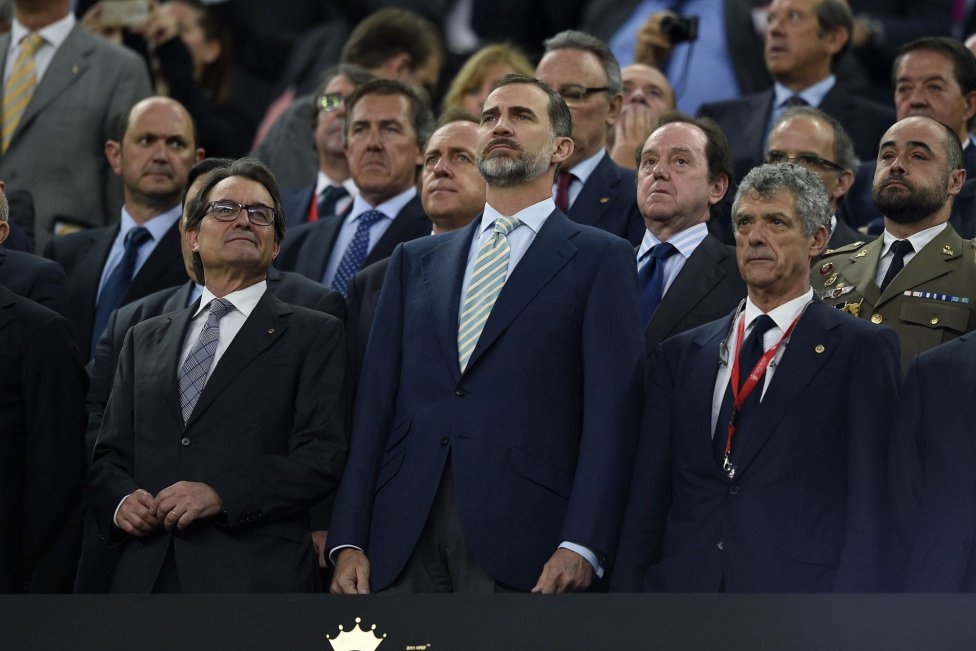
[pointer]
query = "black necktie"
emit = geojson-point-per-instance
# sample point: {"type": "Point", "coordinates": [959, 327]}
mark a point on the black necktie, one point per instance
{"type": "Point", "coordinates": [752, 350]}
{"type": "Point", "coordinates": [794, 100]}
{"type": "Point", "coordinates": [651, 280]}
{"type": "Point", "coordinates": [328, 199]}
{"type": "Point", "coordinates": [899, 249]}
{"type": "Point", "coordinates": [118, 282]}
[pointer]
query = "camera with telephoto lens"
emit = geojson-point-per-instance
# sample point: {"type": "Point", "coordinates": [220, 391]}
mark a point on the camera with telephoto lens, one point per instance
{"type": "Point", "coordinates": [679, 29]}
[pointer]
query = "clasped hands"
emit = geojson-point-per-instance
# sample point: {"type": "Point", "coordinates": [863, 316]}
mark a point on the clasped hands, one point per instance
{"type": "Point", "coordinates": [177, 506]}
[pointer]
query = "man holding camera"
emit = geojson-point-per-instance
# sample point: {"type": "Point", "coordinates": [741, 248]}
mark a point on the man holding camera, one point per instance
{"type": "Point", "coordinates": [805, 39]}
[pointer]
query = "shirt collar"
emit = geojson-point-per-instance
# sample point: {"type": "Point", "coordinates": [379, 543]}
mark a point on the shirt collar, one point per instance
{"type": "Point", "coordinates": [54, 34]}
{"type": "Point", "coordinates": [783, 315]}
{"type": "Point", "coordinates": [391, 207]}
{"type": "Point", "coordinates": [813, 94]}
{"type": "Point", "coordinates": [919, 240]}
{"type": "Point", "coordinates": [685, 242]}
{"type": "Point", "coordinates": [158, 226]}
{"type": "Point", "coordinates": [244, 300]}
{"type": "Point", "coordinates": [533, 216]}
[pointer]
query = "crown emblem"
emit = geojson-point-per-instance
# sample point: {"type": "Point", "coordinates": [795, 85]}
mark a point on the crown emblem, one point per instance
{"type": "Point", "coordinates": [356, 639]}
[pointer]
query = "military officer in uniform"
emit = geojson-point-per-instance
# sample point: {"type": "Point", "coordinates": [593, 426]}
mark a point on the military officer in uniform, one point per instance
{"type": "Point", "coordinates": [919, 278]}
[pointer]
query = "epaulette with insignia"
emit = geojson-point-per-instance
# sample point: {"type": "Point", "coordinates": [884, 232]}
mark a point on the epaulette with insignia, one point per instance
{"type": "Point", "coordinates": [847, 248]}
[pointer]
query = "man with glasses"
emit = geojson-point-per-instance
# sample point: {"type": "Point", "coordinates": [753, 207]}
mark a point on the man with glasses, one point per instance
{"type": "Point", "coordinates": [590, 187]}
{"type": "Point", "coordinates": [919, 277]}
{"type": "Point", "coordinates": [333, 189]}
{"type": "Point", "coordinates": [811, 138]}
{"type": "Point", "coordinates": [386, 127]}
{"type": "Point", "coordinates": [225, 422]}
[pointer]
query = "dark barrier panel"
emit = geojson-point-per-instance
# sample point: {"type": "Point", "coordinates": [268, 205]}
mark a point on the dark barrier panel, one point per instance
{"type": "Point", "coordinates": [489, 623]}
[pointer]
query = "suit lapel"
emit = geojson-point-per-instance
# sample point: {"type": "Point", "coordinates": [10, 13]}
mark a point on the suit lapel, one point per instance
{"type": "Point", "coordinates": [317, 248]}
{"type": "Point", "coordinates": [69, 64]}
{"type": "Point", "coordinates": [597, 194]}
{"type": "Point", "coordinates": [169, 345]}
{"type": "Point", "coordinates": [701, 383]}
{"type": "Point", "coordinates": [267, 323]}
{"type": "Point", "coordinates": [545, 257]}
{"type": "Point", "coordinates": [180, 298]}
{"type": "Point", "coordinates": [700, 274]}
{"type": "Point", "coordinates": [799, 364]}
{"type": "Point", "coordinates": [409, 223]}
{"type": "Point", "coordinates": [442, 271]}
{"type": "Point", "coordinates": [936, 258]}
{"type": "Point", "coordinates": [165, 256]}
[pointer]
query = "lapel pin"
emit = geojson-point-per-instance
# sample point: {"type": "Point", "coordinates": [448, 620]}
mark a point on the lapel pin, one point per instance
{"type": "Point", "coordinates": [831, 280]}
{"type": "Point", "coordinates": [270, 331]}
{"type": "Point", "coordinates": [74, 70]}
{"type": "Point", "coordinates": [947, 250]}
{"type": "Point", "coordinates": [861, 253]}
{"type": "Point", "coordinates": [604, 199]}
{"type": "Point", "coordinates": [819, 348]}
{"type": "Point", "coordinates": [826, 268]}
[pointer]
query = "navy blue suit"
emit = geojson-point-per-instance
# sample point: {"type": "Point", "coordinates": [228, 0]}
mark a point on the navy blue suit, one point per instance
{"type": "Point", "coordinates": [39, 279]}
{"type": "Point", "coordinates": [933, 454]}
{"type": "Point", "coordinates": [539, 429]}
{"type": "Point", "coordinates": [608, 200]}
{"type": "Point", "coordinates": [806, 510]}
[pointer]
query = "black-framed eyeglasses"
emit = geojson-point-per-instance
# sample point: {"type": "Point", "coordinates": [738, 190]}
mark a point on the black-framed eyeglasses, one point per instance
{"type": "Point", "coordinates": [328, 102]}
{"type": "Point", "coordinates": [576, 94]}
{"type": "Point", "coordinates": [227, 211]}
{"type": "Point", "coordinates": [807, 160]}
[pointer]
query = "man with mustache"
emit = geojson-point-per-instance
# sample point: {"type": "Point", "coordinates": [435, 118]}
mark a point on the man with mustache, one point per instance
{"type": "Point", "coordinates": [500, 393]}
{"type": "Point", "coordinates": [114, 265]}
{"type": "Point", "coordinates": [387, 124]}
{"type": "Point", "coordinates": [919, 278]}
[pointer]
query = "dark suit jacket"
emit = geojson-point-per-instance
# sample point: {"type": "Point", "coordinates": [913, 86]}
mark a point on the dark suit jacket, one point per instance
{"type": "Point", "coordinates": [266, 434]}
{"type": "Point", "coordinates": [608, 200]}
{"type": "Point", "coordinates": [858, 207]}
{"type": "Point", "coordinates": [296, 204]}
{"type": "Point", "coordinates": [364, 294]}
{"type": "Point", "coordinates": [707, 287]}
{"type": "Point", "coordinates": [603, 18]}
{"type": "Point", "coordinates": [36, 278]}
{"type": "Point", "coordinates": [82, 256]}
{"type": "Point", "coordinates": [744, 121]}
{"type": "Point", "coordinates": [58, 149]}
{"type": "Point", "coordinates": [42, 416]}
{"type": "Point", "coordinates": [306, 249]}
{"type": "Point", "coordinates": [806, 510]}
{"type": "Point", "coordinates": [539, 428]}
{"type": "Point", "coordinates": [844, 235]}
{"type": "Point", "coordinates": [932, 469]}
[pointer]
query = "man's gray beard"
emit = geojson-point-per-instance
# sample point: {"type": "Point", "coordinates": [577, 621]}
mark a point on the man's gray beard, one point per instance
{"type": "Point", "coordinates": [915, 206]}
{"type": "Point", "coordinates": [502, 171]}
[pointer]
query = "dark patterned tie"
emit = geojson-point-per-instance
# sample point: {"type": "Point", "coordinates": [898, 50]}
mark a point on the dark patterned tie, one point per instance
{"type": "Point", "coordinates": [651, 279]}
{"type": "Point", "coordinates": [328, 200]}
{"type": "Point", "coordinates": [752, 350]}
{"type": "Point", "coordinates": [118, 281]}
{"type": "Point", "coordinates": [193, 374]}
{"type": "Point", "coordinates": [899, 249]}
{"type": "Point", "coordinates": [356, 252]}
{"type": "Point", "coordinates": [562, 190]}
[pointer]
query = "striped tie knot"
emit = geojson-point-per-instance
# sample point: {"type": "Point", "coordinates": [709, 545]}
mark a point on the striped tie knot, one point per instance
{"type": "Point", "coordinates": [505, 225]}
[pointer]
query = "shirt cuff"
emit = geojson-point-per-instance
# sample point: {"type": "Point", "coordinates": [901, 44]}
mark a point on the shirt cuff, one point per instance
{"type": "Point", "coordinates": [586, 553]}
{"type": "Point", "coordinates": [335, 551]}
{"type": "Point", "coordinates": [115, 515]}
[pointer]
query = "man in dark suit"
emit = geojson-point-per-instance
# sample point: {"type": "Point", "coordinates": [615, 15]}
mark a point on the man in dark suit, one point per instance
{"type": "Point", "coordinates": [331, 192]}
{"type": "Point", "coordinates": [42, 417]}
{"type": "Point", "coordinates": [804, 42]}
{"type": "Point", "coordinates": [209, 479]}
{"type": "Point", "coordinates": [931, 470]}
{"type": "Point", "coordinates": [919, 277]}
{"type": "Point", "coordinates": [29, 275]}
{"type": "Point", "coordinates": [85, 85]}
{"type": "Point", "coordinates": [683, 174]}
{"type": "Point", "coordinates": [110, 266]}
{"type": "Point", "coordinates": [501, 389]}
{"type": "Point", "coordinates": [813, 139]}
{"type": "Point", "coordinates": [452, 193]}
{"type": "Point", "coordinates": [590, 187]}
{"type": "Point", "coordinates": [936, 78]}
{"type": "Point", "coordinates": [735, 488]}
{"type": "Point", "coordinates": [387, 124]}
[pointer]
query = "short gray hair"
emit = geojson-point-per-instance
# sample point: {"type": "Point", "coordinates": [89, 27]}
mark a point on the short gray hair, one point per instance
{"type": "Point", "coordinates": [809, 195]}
{"type": "Point", "coordinates": [571, 39]}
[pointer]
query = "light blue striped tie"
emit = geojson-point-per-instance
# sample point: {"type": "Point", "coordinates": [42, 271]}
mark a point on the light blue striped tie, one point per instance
{"type": "Point", "coordinates": [487, 280]}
